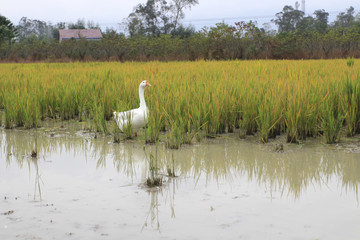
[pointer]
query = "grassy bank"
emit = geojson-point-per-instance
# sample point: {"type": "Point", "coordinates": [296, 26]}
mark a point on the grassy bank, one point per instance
{"type": "Point", "coordinates": [191, 100]}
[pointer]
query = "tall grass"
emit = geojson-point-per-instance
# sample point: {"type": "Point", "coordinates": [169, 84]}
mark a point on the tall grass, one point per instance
{"type": "Point", "coordinates": [191, 100]}
{"type": "Point", "coordinates": [352, 105]}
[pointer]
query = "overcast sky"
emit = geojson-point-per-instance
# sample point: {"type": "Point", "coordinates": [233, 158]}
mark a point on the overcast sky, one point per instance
{"type": "Point", "coordinates": [207, 12]}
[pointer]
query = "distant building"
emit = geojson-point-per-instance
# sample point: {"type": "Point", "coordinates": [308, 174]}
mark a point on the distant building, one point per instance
{"type": "Point", "coordinates": [88, 34]}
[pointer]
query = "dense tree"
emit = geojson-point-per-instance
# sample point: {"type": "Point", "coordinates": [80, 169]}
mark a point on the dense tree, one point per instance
{"type": "Point", "coordinates": [80, 24]}
{"type": "Point", "coordinates": [307, 24]}
{"type": "Point", "coordinates": [92, 25]}
{"type": "Point", "coordinates": [288, 19]}
{"type": "Point", "coordinates": [150, 19]}
{"type": "Point", "coordinates": [183, 31]}
{"type": "Point", "coordinates": [156, 17]}
{"type": "Point", "coordinates": [56, 28]}
{"type": "Point", "coordinates": [321, 20]}
{"type": "Point", "coordinates": [298, 37]}
{"type": "Point", "coordinates": [345, 20]}
{"type": "Point", "coordinates": [178, 9]}
{"type": "Point", "coordinates": [7, 30]}
{"type": "Point", "coordinates": [28, 27]}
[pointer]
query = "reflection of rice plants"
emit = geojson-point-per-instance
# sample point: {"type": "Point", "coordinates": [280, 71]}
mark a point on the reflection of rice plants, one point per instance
{"type": "Point", "coordinates": [34, 152]}
{"type": "Point", "coordinates": [37, 178]}
{"type": "Point", "coordinates": [190, 99]}
{"type": "Point", "coordinates": [153, 213]}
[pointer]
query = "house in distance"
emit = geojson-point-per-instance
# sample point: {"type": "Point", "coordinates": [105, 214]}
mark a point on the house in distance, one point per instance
{"type": "Point", "coordinates": [88, 34]}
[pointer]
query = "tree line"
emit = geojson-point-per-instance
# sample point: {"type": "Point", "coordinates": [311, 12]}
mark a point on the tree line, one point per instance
{"type": "Point", "coordinates": [155, 32]}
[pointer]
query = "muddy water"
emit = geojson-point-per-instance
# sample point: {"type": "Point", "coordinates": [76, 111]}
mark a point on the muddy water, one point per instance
{"type": "Point", "coordinates": [79, 187]}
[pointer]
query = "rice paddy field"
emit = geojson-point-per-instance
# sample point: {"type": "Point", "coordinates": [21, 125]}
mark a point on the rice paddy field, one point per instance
{"type": "Point", "coordinates": [191, 100]}
{"type": "Point", "coordinates": [231, 150]}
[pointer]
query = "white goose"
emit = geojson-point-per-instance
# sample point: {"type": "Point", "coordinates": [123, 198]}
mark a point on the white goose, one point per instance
{"type": "Point", "coordinates": [136, 117]}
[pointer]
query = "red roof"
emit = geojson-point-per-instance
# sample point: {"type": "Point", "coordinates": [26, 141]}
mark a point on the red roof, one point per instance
{"type": "Point", "coordinates": [80, 33]}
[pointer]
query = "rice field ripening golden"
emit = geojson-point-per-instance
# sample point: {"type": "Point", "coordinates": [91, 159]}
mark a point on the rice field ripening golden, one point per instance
{"type": "Point", "coordinates": [191, 100]}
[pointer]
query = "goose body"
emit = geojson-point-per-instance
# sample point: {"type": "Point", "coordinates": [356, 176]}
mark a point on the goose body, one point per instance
{"type": "Point", "coordinates": [138, 117]}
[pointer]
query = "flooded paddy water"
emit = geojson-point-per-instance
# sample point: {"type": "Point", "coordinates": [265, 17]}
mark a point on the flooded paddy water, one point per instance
{"type": "Point", "coordinates": [81, 187]}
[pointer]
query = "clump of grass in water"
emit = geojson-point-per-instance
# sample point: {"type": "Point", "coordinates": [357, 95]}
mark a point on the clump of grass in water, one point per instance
{"type": "Point", "coordinates": [34, 153]}
{"type": "Point", "coordinates": [171, 171]}
{"type": "Point", "coordinates": [116, 133]}
{"type": "Point", "coordinates": [154, 180]}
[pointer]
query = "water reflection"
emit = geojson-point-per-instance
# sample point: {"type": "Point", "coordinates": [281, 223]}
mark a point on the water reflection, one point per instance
{"type": "Point", "coordinates": [230, 161]}
{"type": "Point", "coordinates": [32, 164]}
{"type": "Point", "coordinates": [152, 219]}
{"type": "Point", "coordinates": [38, 179]}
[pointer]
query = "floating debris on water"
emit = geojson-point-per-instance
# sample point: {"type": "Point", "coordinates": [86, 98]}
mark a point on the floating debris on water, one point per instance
{"type": "Point", "coordinates": [8, 212]}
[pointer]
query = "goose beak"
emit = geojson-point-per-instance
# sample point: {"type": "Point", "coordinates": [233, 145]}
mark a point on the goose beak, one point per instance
{"type": "Point", "coordinates": [148, 84]}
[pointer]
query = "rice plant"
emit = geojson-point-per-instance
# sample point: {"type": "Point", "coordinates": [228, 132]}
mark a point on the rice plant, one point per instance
{"type": "Point", "coordinates": [332, 117]}
{"type": "Point", "coordinates": [350, 61]}
{"type": "Point", "coordinates": [190, 100]}
{"type": "Point", "coordinates": [352, 106]}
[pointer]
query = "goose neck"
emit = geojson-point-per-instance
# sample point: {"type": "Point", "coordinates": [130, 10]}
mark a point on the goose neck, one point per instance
{"type": "Point", "coordinates": [142, 97]}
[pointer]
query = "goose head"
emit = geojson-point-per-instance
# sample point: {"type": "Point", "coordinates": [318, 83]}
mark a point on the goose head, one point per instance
{"type": "Point", "coordinates": [145, 84]}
